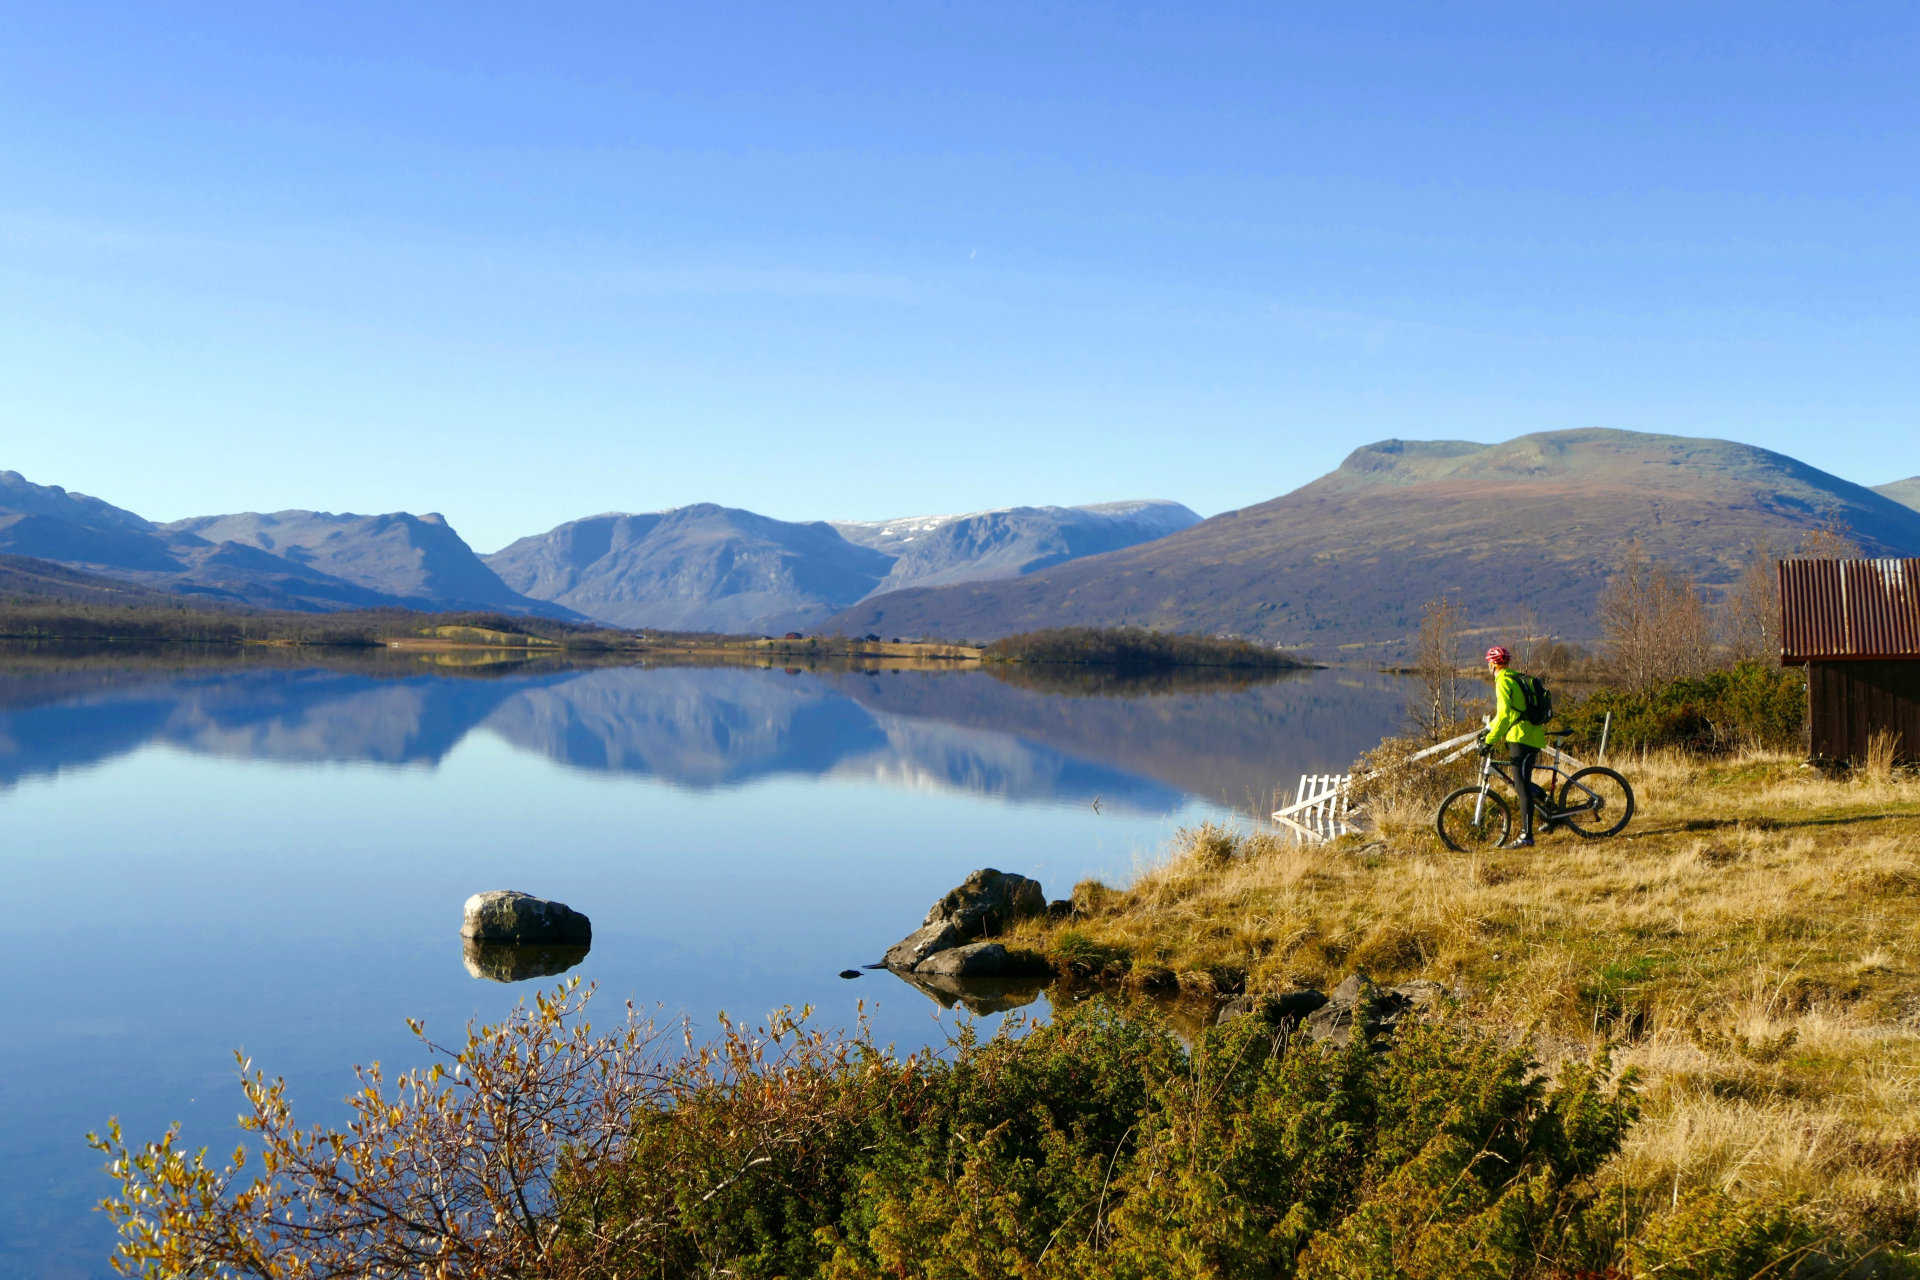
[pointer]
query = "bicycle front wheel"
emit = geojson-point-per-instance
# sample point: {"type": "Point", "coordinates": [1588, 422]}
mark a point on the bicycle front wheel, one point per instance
{"type": "Point", "coordinates": [1470, 820]}
{"type": "Point", "coordinates": [1596, 802]}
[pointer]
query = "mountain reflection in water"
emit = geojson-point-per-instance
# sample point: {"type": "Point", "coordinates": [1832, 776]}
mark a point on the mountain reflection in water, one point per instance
{"type": "Point", "coordinates": [269, 849]}
{"type": "Point", "coordinates": [1148, 745]}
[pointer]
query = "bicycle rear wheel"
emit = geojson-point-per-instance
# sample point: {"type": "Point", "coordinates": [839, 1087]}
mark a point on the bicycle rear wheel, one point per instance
{"type": "Point", "coordinates": [1461, 831]}
{"type": "Point", "coordinates": [1596, 802]}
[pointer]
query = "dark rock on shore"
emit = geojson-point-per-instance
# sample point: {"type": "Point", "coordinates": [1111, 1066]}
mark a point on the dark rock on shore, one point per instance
{"type": "Point", "coordinates": [1330, 1017]}
{"type": "Point", "coordinates": [1272, 1009]}
{"type": "Point", "coordinates": [986, 903]}
{"type": "Point", "coordinates": [510, 962]}
{"type": "Point", "coordinates": [507, 915]}
{"type": "Point", "coordinates": [1390, 1006]}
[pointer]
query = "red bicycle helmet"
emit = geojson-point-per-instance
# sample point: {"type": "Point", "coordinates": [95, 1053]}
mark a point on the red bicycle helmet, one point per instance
{"type": "Point", "coordinates": [1498, 656]}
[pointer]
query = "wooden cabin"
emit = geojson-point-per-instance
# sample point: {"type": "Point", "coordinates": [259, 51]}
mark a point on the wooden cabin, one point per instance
{"type": "Point", "coordinates": [1855, 624]}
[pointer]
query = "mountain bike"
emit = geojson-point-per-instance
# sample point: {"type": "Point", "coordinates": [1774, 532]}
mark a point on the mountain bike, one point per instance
{"type": "Point", "coordinates": [1594, 802]}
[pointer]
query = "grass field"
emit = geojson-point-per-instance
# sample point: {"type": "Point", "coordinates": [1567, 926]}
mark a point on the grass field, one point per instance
{"type": "Point", "coordinates": [1750, 944]}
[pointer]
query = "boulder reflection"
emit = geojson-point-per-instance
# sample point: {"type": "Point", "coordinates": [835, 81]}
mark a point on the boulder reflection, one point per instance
{"type": "Point", "coordinates": [510, 962]}
{"type": "Point", "coordinates": [979, 996]}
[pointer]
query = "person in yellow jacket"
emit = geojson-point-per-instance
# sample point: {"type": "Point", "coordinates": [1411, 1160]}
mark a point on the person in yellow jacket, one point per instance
{"type": "Point", "coordinates": [1522, 738]}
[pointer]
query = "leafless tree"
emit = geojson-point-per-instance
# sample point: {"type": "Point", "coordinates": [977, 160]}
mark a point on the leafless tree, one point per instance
{"type": "Point", "coordinates": [1653, 623]}
{"type": "Point", "coordinates": [1527, 641]}
{"type": "Point", "coordinates": [1750, 618]}
{"type": "Point", "coordinates": [1437, 702]}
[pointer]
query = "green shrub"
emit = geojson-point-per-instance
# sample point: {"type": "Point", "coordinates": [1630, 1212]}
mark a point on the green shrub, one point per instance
{"type": "Point", "coordinates": [1710, 1237]}
{"type": "Point", "coordinates": [1747, 704]}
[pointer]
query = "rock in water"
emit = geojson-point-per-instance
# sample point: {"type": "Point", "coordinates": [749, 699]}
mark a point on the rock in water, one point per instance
{"type": "Point", "coordinates": [509, 962]}
{"type": "Point", "coordinates": [985, 904]}
{"type": "Point", "coordinates": [507, 915]}
{"type": "Point", "coordinates": [921, 943]}
{"type": "Point", "coordinates": [983, 960]}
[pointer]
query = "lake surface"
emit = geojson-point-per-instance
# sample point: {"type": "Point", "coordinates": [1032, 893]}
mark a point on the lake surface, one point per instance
{"type": "Point", "coordinates": [268, 851]}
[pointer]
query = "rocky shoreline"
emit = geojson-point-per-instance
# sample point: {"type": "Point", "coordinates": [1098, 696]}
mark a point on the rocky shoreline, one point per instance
{"type": "Point", "coordinates": [954, 958]}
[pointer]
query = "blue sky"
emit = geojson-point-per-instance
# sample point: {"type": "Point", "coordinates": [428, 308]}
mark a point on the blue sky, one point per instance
{"type": "Point", "coordinates": [523, 263]}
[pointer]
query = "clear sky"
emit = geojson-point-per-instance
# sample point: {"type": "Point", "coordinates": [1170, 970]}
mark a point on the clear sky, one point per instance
{"type": "Point", "coordinates": [522, 263]}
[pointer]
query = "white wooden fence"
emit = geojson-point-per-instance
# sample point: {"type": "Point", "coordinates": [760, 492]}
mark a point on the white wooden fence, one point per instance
{"type": "Point", "coordinates": [1322, 805]}
{"type": "Point", "coordinates": [1319, 809]}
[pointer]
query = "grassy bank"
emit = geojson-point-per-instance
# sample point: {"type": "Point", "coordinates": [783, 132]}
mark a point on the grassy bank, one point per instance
{"type": "Point", "coordinates": [27, 618]}
{"type": "Point", "coordinates": [1751, 945]}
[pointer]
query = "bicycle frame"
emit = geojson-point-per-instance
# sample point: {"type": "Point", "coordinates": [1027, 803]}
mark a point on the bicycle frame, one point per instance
{"type": "Point", "coordinates": [1556, 780]}
{"type": "Point", "coordinates": [1572, 795]}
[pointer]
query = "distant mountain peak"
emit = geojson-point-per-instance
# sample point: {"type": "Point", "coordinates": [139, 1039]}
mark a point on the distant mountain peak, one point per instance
{"type": "Point", "coordinates": [21, 496]}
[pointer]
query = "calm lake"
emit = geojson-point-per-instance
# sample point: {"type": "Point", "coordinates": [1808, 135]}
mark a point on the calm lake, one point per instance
{"type": "Point", "coordinates": [205, 851]}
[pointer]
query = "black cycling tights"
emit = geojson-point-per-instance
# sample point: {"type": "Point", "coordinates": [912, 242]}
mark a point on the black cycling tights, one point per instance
{"type": "Point", "coordinates": [1523, 757]}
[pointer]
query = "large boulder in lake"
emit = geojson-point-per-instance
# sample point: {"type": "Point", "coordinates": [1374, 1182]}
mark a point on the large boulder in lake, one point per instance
{"type": "Point", "coordinates": [507, 915]}
{"type": "Point", "coordinates": [984, 905]}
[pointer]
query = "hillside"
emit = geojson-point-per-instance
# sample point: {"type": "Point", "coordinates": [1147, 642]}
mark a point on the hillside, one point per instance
{"type": "Point", "coordinates": [714, 568]}
{"type": "Point", "coordinates": [1534, 524]}
{"type": "Point", "coordinates": [25, 577]}
{"type": "Point", "coordinates": [1905, 492]}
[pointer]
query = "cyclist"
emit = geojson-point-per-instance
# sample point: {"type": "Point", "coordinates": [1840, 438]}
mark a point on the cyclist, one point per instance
{"type": "Point", "coordinates": [1522, 738]}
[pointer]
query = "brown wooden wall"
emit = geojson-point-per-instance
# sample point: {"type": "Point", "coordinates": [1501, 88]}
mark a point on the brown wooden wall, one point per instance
{"type": "Point", "coordinates": [1848, 701]}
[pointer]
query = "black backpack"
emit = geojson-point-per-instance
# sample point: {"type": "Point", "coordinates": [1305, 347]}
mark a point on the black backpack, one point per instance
{"type": "Point", "coordinates": [1536, 701]}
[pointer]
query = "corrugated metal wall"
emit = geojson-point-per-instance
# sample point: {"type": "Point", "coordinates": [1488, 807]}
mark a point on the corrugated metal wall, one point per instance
{"type": "Point", "coordinates": [1849, 609]}
{"type": "Point", "coordinates": [1848, 702]}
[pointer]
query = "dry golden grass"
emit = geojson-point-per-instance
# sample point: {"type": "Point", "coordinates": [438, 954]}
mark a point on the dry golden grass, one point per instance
{"type": "Point", "coordinates": [1750, 945]}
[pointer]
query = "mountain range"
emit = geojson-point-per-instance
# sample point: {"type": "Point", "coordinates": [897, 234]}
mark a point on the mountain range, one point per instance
{"type": "Point", "coordinates": [697, 568]}
{"type": "Point", "coordinates": [713, 568]}
{"type": "Point", "coordinates": [303, 560]}
{"type": "Point", "coordinates": [1530, 527]}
